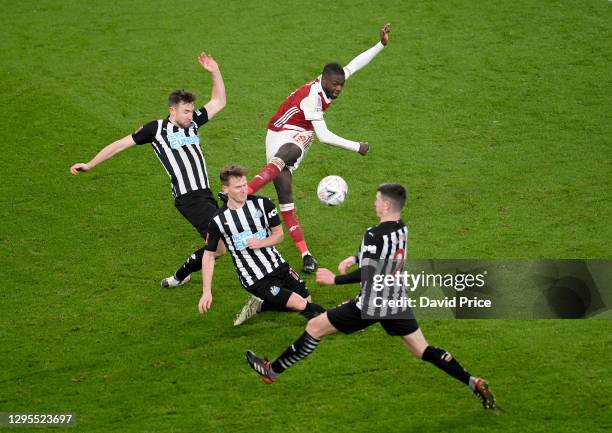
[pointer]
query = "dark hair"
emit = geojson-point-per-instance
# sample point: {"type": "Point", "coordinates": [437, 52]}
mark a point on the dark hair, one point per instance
{"type": "Point", "coordinates": [394, 192]}
{"type": "Point", "coordinates": [231, 171]}
{"type": "Point", "coordinates": [180, 95]}
{"type": "Point", "coordinates": [333, 69]}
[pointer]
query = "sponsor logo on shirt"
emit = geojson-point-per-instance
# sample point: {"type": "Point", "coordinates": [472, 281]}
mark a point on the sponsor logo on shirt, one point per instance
{"type": "Point", "coordinates": [179, 139]}
{"type": "Point", "coordinates": [370, 249]}
{"type": "Point", "coordinates": [241, 240]}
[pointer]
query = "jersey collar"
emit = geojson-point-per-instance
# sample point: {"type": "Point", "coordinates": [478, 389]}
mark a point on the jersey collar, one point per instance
{"type": "Point", "coordinates": [321, 91]}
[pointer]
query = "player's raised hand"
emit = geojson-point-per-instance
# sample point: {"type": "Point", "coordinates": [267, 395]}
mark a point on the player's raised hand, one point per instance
{"type": "Point", "coordinates": [205, 302]}
{"type": "Point", "coordinates": [207, 62]}
{"type": "Point", "coordinates": [80, 166]}
{"type": "Point", "coordinates": [346, 263]}
{"type": "Point", "coordinates": [384, 34]}
{"type": "Point", "coordinates": [364, 147]}
{"type": "Point", "coordinates": [325, 276]}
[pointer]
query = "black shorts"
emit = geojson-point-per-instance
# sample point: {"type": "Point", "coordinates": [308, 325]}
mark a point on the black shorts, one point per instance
{"type": "Point", "coordinates": [198, 207]}
{"type": "Point", "coordinates": [346, 318]}
{"type": "Point", "coordinates": [276, 287]}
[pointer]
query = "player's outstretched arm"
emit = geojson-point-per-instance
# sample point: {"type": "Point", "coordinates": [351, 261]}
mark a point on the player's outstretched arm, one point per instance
{"type": "Point", "coordinates": [208, 268]}
{"type": "Point", "coordinates": [327, 277]}
{"type": "Point", "coordinates": [106, 153]}
{"type": "Point", "coordinates": [218, 99]}
{"type": "Point", "coordinates": [326, 136]}
{"type": "Point", "coordinates": [366, 57]}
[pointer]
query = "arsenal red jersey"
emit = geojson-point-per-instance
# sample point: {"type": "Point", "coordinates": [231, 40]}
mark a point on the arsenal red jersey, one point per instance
{"type": "Point", "coordinates": [306, 104]}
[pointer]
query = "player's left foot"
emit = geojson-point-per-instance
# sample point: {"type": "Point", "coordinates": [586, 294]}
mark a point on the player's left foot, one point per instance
{"type": "Point", "coordinates": [261, 367]}
{"type": "Point", "coordinates": [249, 310]}
{"type": "Point", "coordinates": [222, 196]}
{"type": "Point", "coordinates": [171, 281]}
{"type": "Point", "coordinates": [309, 264]}
{"type": "Point", "coordinates": [483, 391]}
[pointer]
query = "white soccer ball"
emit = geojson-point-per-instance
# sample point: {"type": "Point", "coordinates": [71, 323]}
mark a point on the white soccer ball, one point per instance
{"type": "Point", "coordinates": [332, 190]}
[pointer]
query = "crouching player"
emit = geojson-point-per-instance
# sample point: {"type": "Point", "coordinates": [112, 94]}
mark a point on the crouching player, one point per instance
{"type": "Point", "coordinates": [250, 228]}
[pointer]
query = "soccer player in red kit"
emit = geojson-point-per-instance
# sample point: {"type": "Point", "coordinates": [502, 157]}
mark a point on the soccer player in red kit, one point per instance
{"type": "Point", "coordinates": [291, 131]}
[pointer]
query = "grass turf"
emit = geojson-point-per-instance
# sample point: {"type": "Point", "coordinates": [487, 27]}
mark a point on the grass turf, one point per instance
{"type": "Point", "coordinates": [496, 117]}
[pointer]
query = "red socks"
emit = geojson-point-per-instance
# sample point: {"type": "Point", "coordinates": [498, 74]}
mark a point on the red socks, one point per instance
{"type": "Point", "coordinates": [266, 175]}
{"type": "Point", "coordinates": [292, 223]}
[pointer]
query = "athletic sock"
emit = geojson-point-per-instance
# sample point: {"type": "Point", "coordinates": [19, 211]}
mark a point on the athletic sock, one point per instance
{"type": "Point", "coordinates": [292, 223]}
{"type": "Point", "coordinates": [445, 361]}
{"type": "Point", "coordinates": [191, 265]}
{"type": "Point", "coordinates": [266, 175]}
{"type": "Point", "coordinates": [300, 349]}
{"type": "Point", "coordinates": [312, 310]}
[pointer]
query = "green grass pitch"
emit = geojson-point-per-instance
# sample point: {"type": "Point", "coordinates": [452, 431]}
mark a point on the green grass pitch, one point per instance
{"type": "Point", "coordinates": [496, 115]}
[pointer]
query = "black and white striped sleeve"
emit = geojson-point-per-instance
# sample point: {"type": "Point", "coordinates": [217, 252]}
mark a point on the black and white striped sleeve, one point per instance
{"type": "Point", "coordinates": [145, 134]}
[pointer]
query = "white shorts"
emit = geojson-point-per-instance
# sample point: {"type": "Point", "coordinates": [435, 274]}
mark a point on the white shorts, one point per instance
{"type": "Point", "coordinates": [275, 139]}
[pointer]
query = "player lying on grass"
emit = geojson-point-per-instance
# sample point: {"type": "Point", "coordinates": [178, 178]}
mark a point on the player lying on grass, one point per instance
{"type": "Point", "coordinates": [384, 242]}
{"type": "Point", "coordinates": [290, 133]}
{"type": "Point", "coordinates": [176, 143]}
{"type": "Point", "coordinates": [250, 228]}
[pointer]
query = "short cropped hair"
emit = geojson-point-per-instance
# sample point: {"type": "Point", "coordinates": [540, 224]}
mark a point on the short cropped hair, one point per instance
{"type": "Point", "coordinates": [333, 69]}
{"type": "Point", "coordinates": [231, 171]}
{"type": "Point", "coordinates": [395, 192]}
{"type": "Point", "coordinates": [180, 95]}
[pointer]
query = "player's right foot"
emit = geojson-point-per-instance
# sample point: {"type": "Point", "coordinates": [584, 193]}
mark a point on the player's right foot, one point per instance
{"type": "Point", "coordinates": [309, 264]}
{"type": "Point", "coordinates": [222, 196]}
{"type": "Point", "coordinates": [261, 367]}
{"type": "Point", "coordinates": [249, 310]}
{"type": "Point", "coordinates": [483, 391]}
{"type": "Point", "coordinates": [171, 281]}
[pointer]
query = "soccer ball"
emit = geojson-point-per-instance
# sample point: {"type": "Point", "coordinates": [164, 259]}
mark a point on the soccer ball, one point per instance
{"type": "Point", "coordinates": [332, 190]}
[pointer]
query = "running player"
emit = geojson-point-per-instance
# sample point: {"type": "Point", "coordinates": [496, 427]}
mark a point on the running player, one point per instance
{"type": "Point", "coordinates": [384, 242]}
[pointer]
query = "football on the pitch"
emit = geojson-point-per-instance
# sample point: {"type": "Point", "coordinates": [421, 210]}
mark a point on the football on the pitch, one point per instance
{"type": "Point", "coordinates": [332, 190]}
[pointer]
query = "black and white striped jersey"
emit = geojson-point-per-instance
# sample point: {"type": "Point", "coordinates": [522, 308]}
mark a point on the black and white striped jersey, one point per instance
{"type": "Point", "coordinates": [236, 227]}
{"type": "Point", "coordinates": [385, 243]}
{"type": "Point", "coordinates": [179, 151]}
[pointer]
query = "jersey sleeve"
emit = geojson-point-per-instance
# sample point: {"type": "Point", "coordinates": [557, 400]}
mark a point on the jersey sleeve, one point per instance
{"type": "Point", "coordinates": [200, 117]}
{"type": "Point", "coordinates": [371, 247]}
{"type": "Point", "coordinates": [350, 278]}
{"type": "Point", "coordinates": [213, 236]}
{"type": "Point", "coordinates": [312, 106]}
{"type": "Point", "coordinates": [271, 213]}
{"type": "Point", "coordinates": [145, 134]}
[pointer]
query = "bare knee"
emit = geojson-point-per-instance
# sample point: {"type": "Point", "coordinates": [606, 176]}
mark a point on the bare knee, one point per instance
{"type": "Point", "coordinates": [296, 302]}
{"type": "Point", "coordinates": [320, 326]}
{"type": "Point", "coordinates": [314, 327]}
{"type": "Point", "coordinates": [289, 153]}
